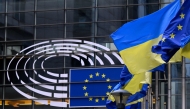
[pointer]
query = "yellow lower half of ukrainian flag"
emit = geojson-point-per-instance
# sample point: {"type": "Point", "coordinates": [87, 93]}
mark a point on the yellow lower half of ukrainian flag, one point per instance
{"type": "Point", "coordinates": [140, 58]}
{"type": "Point", "coordinates": [186, 51]}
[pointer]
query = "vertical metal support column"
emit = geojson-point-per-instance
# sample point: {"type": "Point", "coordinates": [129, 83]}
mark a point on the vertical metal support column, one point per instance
{"type": "Point", "coordinates": [169, 86]}
{"type": "Point", "coordinates": [156, 91]}
{"type": "Point", "coordinates": [150, 97]}
{"type": "Point", "coordinates": [4, 58]}
{"type": "Point", "coordinates": [183, 84]}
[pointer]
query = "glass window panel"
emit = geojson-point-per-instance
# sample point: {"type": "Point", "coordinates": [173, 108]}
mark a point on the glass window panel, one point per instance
{"type": "Point", "coordinates": [50, 17]}
{"type": "Point", "coordinates": [187, 66]}
{"type": "Point", "coordinates": [176, 85]}
{"type": "Point", "coordinates": [176, 70]}
{"type": "Point", "coordinates": [20, 5]}
{"type": "Point", "coordinates": [50, 4]}
{"type": "Point", "coordinates": [79, 3]}
{"type": "Point", "coordinates": [106, 28]}
{"type": "Point", "coordinates": [176, 102]}
{"type": "Point", "coordinates": [79, 30]}
{"type": "Point", "coordinates": [187, 101]}
{"type": "Point", "coordinates": [54, 31]}
{"type": "Point", "coordinates": [80, 15]}
{"type": "Point", "coordinates": [187, 86]}
{"type": "Point", "coordinates": [141, 10]}
{"type": "Point", "coordinates": [2, 20]}
{"type": "Point", "coordinates": [163, 102]}
{"type": "Point", "coordinates": [142, 1]}
{"type": "Point", "coordinates": [15, 47]}
{"type": "Point", "coordinates": [187, 60]}
{"type": "Point", "coordinates": [163, 87]}
{"type": "Point", "coordinates": [2, 34]}
{"type": "Point", "coordinates": [1, 89]}
{"type": "Point", "coordinates": [167, 0]}
{"type": "Point", "coordinates": [20, 33]}
{"type": "Point", "coordinates": [2, 6]}
{"type": "Point", "coordinates": [11, 93]}
{"type": "Point", "coordinates": [105, 14]}
{"type": "Point", "coordinates": [18, 104]}
{"type": "Point", "coordinates": [17, 19]}
{"type": "Point", "coordinates": [111, 2]}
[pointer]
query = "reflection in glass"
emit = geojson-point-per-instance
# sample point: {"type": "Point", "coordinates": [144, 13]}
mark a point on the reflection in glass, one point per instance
{"type": "Point", "coordinates": [105, 29]}
{"type": "Point", "coordinates": [80, 15]}
{"type": "Point", "coordinates": [176, 85]}
{"type": "Point", "coordinates": [50, 4]}
{"type": "Point", "coordinates": [11, 93]}
{"type": "Point", "coordinates": [50, 17]}
{"type": "Point", "coordinates": [187, 66]}
{"type": "Point", "coordinates": [105, 14]}
{"type": "Point", "coordinates": [2, 34]}
{"type": "Point", "coordinates": [21, 33]}
{"type": "Point", "coordinates": [54, 31]}
{"type": "Point", "coordinates": [79, 3]}
{"type": "Point", "coordinates": [20, 5]}
{"type": "Point", "coordinates": [18, 104]}
{"type": "Point", "coordinates": [176, 70]}
{"type": "Point", "coordinates": [2, 20]}
{"type": "Point", "coordinates": [176, 101]}
{"type": "Point", "coordinates": [79, 30]}
{"type": "Point", "coordinates": [16, 19]}
{"type": "Point", "coordinates": [187, 86]}
{"type": "Point", "coordinates": [2, 5]}
{"type": "Point", "coordinates": [111, 2]}
{"type": "Point", "coordinates": [141, 10]}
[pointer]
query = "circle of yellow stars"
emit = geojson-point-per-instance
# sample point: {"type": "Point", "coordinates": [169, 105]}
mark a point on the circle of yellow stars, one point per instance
{"type": "Point", "coordinates": [179, 27]}
{"type": "Point", "coordinates": [86, 94]}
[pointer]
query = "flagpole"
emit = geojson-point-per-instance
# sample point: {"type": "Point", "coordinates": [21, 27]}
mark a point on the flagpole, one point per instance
{"type": "Point", "coordinates": [156, 91]}
{"type": "Point", "coordinates": [183, 78]}
{"type": "Point", "coordinates": [183, 84]}
{"type": "Point", "coordinates": [169, 86]}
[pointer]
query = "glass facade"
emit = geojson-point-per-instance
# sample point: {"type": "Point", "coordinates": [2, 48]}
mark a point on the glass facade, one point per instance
{"type": "Point", "coordinates": [24, 23]}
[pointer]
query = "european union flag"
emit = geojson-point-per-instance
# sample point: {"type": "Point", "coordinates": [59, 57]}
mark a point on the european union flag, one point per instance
{"type": "Point", "coordinates": [90, 87]}
{"type": "Point", "coordinates": [176, 35]}
{"type": "Point", "coordinates": [135, 39]}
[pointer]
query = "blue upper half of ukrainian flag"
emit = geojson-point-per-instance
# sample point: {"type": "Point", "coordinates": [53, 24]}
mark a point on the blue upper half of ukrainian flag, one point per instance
{"type": "Point", "coordinates": [146, 28]}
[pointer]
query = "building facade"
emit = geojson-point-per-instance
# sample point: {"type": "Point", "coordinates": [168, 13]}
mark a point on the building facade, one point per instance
{"type": "Point", "coordinates": [29, 23]}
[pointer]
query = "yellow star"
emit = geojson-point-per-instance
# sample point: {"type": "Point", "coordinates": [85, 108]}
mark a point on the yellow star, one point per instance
{"type": "Point", "coordinates": [90, 99]}
{"type": "Point", "coordinates": [182, 16]}
{"type": "Point", "coordinates": [107, 93]}
{"type": "Point", "coordinates": [86, 94]}
{"type": "Point", "coordinates": [97, 74]}
{"type": "Point", "coordinates": [109, 87]}
{"type": "Point", "coordinates": [97, 99]}
{"type": "Point", "coordinates": [163, 39]}
{"type": "Point", "coordinates": [172, 35]}
{"type": "Point", "coordinates": [84, 88]}
{"type": "Point", "coordinates": [86, 81]}
{"type": "Point", "coordinates": [103, 76]}
{"type": "Point", "coordinates": [108, 80]}
{"type": "Point", "coordinates": [103, 98]}
{"type": "Point", "coordinates": [91, 76]}
{"type": "Point", "coordinates": [179, 27]}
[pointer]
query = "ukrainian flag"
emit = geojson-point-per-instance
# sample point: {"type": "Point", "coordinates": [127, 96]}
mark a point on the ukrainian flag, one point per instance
{"type": "Point", "coordinates": [136, 84]}
{"type": "Point", "coordinates": [135, 39]}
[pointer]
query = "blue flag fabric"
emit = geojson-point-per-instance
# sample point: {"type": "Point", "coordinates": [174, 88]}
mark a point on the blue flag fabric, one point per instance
{"type": "Point", "coordinates": [176, 35]}
{"type": "Point", "coordinates": [86, 84]}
